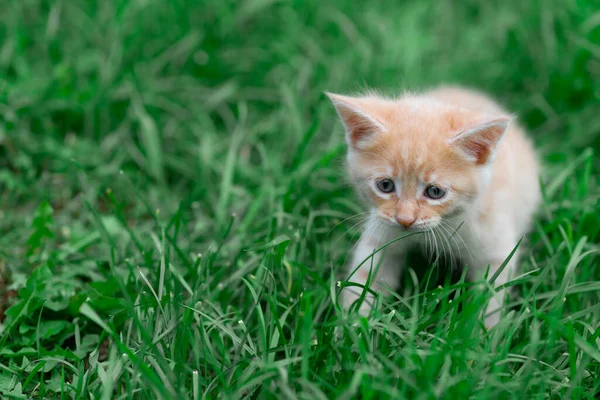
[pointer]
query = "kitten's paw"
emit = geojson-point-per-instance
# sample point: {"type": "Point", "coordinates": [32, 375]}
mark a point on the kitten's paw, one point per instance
{"type": "Point", "coordinates": [492, 312]}
{"type": "Point", "coordinates": [349, 296]}
{"type": "Point", "coordinates": [492, 320]}
{"type": "Point", "coordinates": [347, 300]}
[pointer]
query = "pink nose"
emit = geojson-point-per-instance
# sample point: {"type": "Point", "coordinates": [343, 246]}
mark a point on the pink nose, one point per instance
{"type": "Point", "coordinates": [405, 221]}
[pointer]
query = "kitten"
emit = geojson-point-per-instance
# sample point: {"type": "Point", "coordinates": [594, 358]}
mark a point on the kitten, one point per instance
{"type": "Point", "coordinates": [431, 163]}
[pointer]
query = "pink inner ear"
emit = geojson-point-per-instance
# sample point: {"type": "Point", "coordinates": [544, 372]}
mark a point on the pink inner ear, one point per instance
{"type": "Point", "coordinates": [480, 141]}
{"type": "Point", "coordinates": [480, 150]}
{"type": "Point", "coordinates": [360, 126]}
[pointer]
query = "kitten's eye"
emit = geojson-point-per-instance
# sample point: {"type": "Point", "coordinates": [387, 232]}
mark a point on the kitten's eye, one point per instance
{"type": "Point", "coordinates": [385, 185]}
{"type": "Point", "coordinates": [434, 192]}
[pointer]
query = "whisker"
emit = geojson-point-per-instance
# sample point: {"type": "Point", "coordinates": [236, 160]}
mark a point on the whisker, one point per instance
{"type": "Point", "coordinates": [453, 237]}
{"type": "Point", "coordinates": [362, 221]}
{"type": "Point", "coordinates": [457, 234]}
{"type": "Point", "coordinates": [430, 248]}
{"type": "Point", "coordinates": [437, 248]}
{"type": "Point", "coordinates": [426, 240]}
{"type": "Point", "coordinates": [351, 217]}
{"type": "Point", "coordinates": [365, 232]}
{"type": "Point", "coordinates": [453, 257]}
{"type": "Point", "coordinates": [381, 230]}
{"type": "Point", "coordinates": [447, 253]}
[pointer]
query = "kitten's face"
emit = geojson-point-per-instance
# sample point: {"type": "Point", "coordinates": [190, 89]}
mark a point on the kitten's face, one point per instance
{"type": "Point", "coordinates": [416, 161]}
{"type": "Point", "coordinates": [411, 183]}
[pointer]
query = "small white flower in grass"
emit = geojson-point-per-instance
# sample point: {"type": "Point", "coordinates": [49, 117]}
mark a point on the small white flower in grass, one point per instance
{"type": "Point", "coordinates": [199, 255]}
{"type": "Point", "coordinates": [71, 139]}
{"type": "Point", "coordinates": [66, 231]}
{"type": "Point", "coordinates": [339, 284]}
{"type": "Point", "coordinates": [315, 342]}
{"type": "Point", "coordinates": [201, 57]}
{"type": "Point", "coordinates": [450, 301]}
{"type": "Point", "coordinates": [124, 355]}
{"type": "Point", "coordinates": [240, 322]}
{"type": "Point", "coordinates": [527, 310]}
{"type": "Point", "coordinates": [220, 286]}
{"type": "Point", "coordinates": [564, 299]}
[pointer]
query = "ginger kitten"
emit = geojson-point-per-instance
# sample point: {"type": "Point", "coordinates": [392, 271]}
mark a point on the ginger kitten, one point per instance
{"type": "Point", "coordinates": [432, 162]}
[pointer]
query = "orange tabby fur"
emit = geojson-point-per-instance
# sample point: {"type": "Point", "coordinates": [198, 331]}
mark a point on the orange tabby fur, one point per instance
{"type": "Point", "coordinates": [459, 141]}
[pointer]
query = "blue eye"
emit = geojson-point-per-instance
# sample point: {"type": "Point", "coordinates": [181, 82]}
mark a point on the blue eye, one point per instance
{"type": "Point", "coordinates": [434, 192]}
{"type": "Point", "coordinates": [385, 185]}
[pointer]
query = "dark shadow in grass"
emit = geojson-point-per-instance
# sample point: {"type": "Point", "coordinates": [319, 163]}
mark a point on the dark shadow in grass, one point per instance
{"type": "Point", "coordinates": [429, 276]}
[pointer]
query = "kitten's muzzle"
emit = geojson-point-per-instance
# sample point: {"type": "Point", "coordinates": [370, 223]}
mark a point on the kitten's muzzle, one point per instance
{"type": "Point", "coordinates": [405, 221]}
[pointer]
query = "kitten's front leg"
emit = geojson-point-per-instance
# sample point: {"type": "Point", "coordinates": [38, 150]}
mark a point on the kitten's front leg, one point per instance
{"type": "Point", "coordinates": [494, 308]}
{"type": "Point", "coordinates": [384, 267]}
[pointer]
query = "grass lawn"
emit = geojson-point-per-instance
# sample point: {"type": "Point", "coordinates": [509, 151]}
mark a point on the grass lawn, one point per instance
{"type": "Point", "coordinates": [174, 210]}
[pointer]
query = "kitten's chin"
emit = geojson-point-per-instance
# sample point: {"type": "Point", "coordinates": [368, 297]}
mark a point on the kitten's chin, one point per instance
{"type": "Point", "coordinates": [423, 227]}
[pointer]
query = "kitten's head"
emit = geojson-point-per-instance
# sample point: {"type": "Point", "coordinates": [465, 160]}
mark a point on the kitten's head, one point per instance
{"type": "Point", "coordinates": [416, 160]}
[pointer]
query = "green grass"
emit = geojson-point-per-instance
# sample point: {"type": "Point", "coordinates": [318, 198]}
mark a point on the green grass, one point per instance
{"type": "Point", "coordinates": [172, 196]}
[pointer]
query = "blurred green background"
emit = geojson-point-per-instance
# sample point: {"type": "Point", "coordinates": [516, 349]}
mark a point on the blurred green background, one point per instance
{"type": "Point", "coordinates": [136, 135]}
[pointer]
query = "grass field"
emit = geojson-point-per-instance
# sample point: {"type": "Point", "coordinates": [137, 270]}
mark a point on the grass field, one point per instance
{"type": "Point", "coordinates": [173, 207]}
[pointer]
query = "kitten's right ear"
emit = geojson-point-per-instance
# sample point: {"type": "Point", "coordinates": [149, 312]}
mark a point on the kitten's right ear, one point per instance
{"type": "Point", "coordinates": [479, 142]}
{"type": "Point", "coordinates": [361, 128]}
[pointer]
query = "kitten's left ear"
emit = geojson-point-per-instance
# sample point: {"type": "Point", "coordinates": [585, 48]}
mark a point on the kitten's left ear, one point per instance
{"type": "Point", "coordinates": [478, 143]}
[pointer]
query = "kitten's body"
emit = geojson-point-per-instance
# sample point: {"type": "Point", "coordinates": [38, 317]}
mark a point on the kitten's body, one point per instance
{"type": "Point", "coordinates": [455, 140]}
